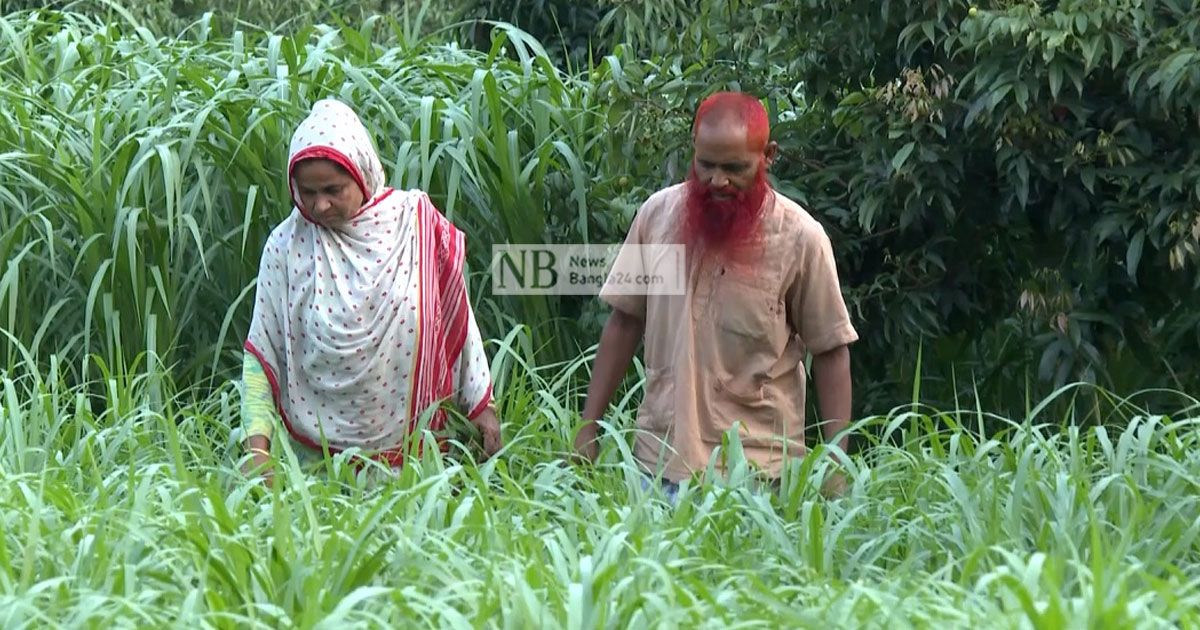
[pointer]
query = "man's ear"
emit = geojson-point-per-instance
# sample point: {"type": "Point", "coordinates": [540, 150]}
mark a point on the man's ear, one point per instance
{"type": "Point", "coordinates": [771, 152]}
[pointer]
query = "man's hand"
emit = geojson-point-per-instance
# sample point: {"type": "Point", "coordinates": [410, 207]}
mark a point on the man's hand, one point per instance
{"type": "Point", "coordinates": [834, 485]}
{"type": "Point", "coordinates": [259, 447]}
{"type": "Point", "coordinates": [586, 445]}
{"type": "Point", "coordinates": [489, 428]}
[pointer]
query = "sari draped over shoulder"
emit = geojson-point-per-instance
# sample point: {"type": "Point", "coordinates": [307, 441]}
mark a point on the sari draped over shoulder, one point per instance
{"type": "Point", "coordinates": [360, 329]}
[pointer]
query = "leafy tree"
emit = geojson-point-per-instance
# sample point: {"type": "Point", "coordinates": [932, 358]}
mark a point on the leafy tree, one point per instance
{"type": "Point", "coordinates": [1011, 184]}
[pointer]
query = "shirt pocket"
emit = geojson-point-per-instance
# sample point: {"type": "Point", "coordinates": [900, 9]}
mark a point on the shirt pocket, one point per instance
{"type": "Point", "coordinates": [657, 411]}
{"type": "Point", "coordinates": [750, 331]}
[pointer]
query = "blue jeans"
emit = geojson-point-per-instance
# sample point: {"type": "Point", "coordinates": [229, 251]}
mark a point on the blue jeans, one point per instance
{"type": "Point", "coordinates": [669, 488]}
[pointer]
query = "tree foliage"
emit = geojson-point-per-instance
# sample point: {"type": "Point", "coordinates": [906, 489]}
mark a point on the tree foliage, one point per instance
{"type": "Point", "coordinates": [1013, 186]}
{"type": "Point", "coordinates": [1015, 162]}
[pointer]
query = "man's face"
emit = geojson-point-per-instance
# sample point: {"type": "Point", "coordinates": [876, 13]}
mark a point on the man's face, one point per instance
{"type": "Point", "coordinates": [724, 161]}
{"type": "Point", "coordinates": [329, 194]}
{"type": "Point", "coordinates": [727, 186]}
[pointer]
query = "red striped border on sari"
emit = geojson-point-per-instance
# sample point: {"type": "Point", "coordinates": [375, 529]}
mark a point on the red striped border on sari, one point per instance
{"type": "Point", "coordinates": [443, 310]}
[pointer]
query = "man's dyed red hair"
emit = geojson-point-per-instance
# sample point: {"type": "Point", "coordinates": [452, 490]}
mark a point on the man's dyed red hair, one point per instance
{"type": "Point", "coordinates": [741, 107]}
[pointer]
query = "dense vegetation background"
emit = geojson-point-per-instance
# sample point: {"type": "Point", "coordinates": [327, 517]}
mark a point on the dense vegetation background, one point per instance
{"type": "Point", "coordinates": [1013, 192]}
{"type": "Point", "coordinates": [1013, 188]}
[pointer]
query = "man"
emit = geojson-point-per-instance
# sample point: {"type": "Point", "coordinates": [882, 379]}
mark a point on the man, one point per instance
{"type": "Point", "coordinates": [761, 290]}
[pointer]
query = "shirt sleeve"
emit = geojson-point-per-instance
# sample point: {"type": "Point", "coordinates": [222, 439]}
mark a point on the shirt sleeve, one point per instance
{"type": "Point", "coordinates": [816, 309]}
{"type": "Point", "coordinates": [628, 263]}
{"type": "Point", "coordinates": [472, 374]}
{"type": "Point", "coordinates": [258, 405]}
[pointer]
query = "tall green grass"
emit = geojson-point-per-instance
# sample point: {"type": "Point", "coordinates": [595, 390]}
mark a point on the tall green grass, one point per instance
{"type": "Point", "coordinates": [127, 509]}
{"type": "Point", "coordinates": [139, 175]}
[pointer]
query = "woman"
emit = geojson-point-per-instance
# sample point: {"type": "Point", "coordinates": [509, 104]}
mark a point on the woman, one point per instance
{"type": "Point", "coordinates": [361, 319]}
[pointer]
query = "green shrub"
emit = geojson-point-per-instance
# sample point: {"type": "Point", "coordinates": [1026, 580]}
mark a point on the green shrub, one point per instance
{"type": "Point", "coordinates": [1012, 187]}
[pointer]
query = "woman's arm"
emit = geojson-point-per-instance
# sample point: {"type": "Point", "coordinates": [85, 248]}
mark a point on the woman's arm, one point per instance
{"type": "Point", "coordinates": [259, 416]}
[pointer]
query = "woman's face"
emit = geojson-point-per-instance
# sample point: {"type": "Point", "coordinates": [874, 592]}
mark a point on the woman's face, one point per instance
{"type": "Point", "coordinates": [328, 193]}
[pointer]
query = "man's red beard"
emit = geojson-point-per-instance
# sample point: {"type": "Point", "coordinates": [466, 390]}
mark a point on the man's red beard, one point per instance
{"type": "Point", "coordinates": [723, 225]}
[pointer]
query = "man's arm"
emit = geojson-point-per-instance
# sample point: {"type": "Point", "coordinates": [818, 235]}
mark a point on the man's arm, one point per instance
{"type": "Point", "coordinates": [831, 371]}
{"type": "Point", "coordinates": [620, 339]}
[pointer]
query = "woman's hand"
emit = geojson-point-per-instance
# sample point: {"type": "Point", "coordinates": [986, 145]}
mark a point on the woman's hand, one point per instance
{"type": "Point", "coordinates": [259, 447]}
{"type": "Point", "coordinates": [489, 428]}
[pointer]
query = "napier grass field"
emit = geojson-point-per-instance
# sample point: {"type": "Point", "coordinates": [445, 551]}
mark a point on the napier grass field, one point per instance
{"type": "Point", "coordinates": [139, 177]}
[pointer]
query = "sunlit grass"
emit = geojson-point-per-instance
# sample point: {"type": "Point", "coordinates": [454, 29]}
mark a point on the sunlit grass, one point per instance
{"type": "Point", "coordinates": [137, 515]}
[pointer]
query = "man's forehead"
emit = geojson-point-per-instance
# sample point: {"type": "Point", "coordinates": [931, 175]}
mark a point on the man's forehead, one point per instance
{"type": "Point", "coordinates": [727, 124]}
{"type": "Point", "coordinates": [730, 139]}
{"type": "Point", "coordinates": [734, 115]}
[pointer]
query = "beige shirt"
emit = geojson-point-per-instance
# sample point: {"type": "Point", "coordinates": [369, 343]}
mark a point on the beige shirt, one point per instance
{"type": "Point", "coordinates": [731, 349]}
